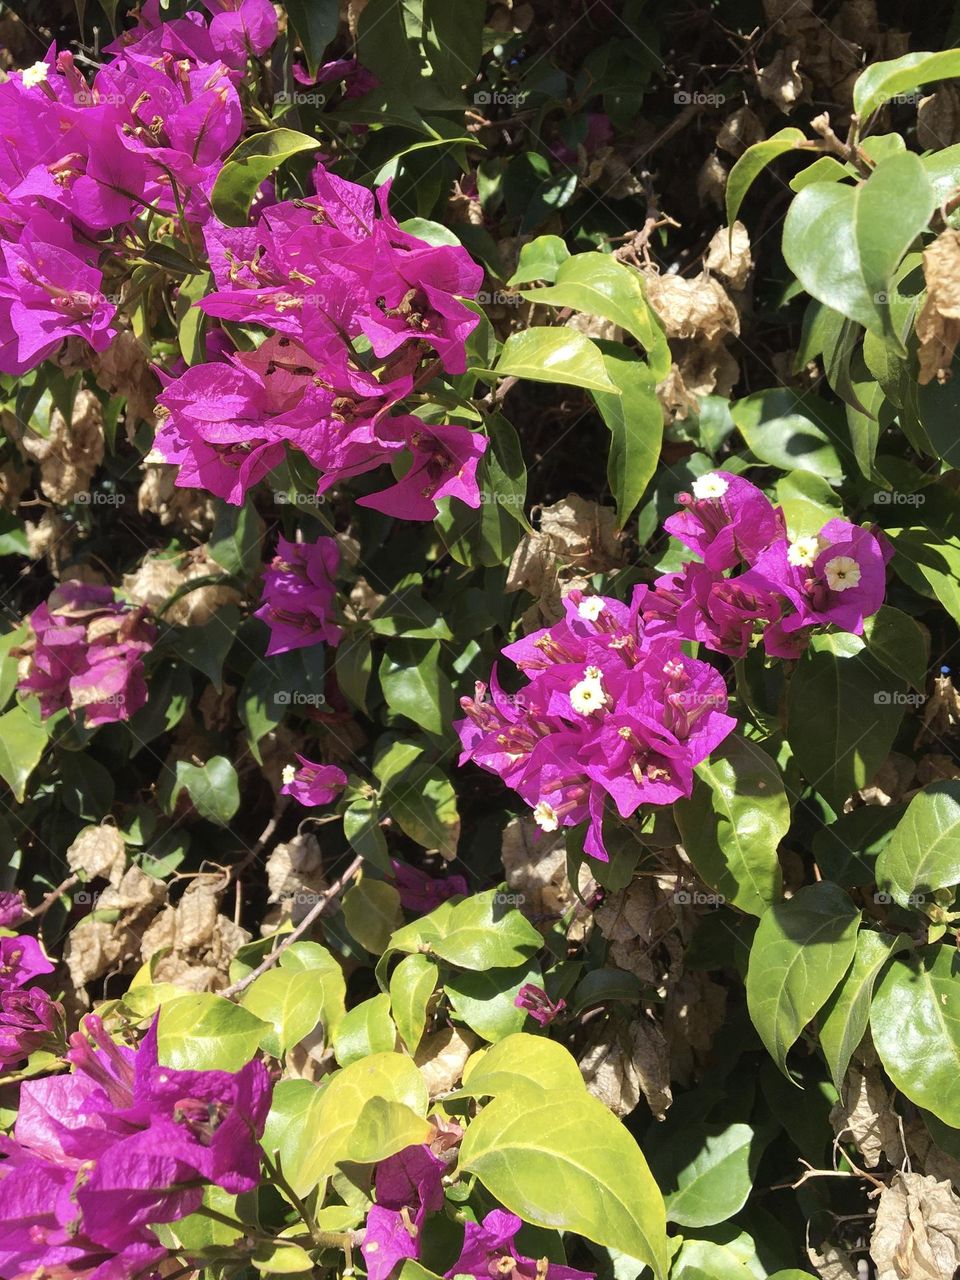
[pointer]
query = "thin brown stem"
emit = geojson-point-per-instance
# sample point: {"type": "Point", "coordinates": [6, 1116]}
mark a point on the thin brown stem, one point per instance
{"type": "Point", "coordinates": [317, 910]}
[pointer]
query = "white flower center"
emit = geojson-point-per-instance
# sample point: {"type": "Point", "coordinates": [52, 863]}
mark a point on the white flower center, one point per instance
{"type": "Point", "coordinates": [289, 773]}
{"type": "Point", "coordinates": [591, 608]}
{"type": "Point", "coordinates": [842, 572]}
{"type": "Point", "coordinates": [35, 75]}
{"type": "Point", "coordinates": [803, 552]}
{"type": "Point", "coordinates": [587, 695]}
{"type": "Point", "coordinates": [710, 486]}
{"type": "Point", "coordinates": [545, 816]}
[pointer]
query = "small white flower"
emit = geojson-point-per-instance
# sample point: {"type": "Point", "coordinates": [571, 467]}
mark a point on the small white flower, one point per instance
{"type": "Point", "coordinates": [842, 572]}
{"type": "Point", "coordinates": [587, 695]}
{"type": "Point", "coordinates": [591, 608]}
{"type": "Point", "coordinates": [803, 552]}
{"type": "Point", "coordinates": [35, 75]}
{"type": "Point", "coordinates": [545, 816]}
{"type": "Point", "coordinates": [289, 773]}
{"type": "Point", "coordinates": [709, 486]}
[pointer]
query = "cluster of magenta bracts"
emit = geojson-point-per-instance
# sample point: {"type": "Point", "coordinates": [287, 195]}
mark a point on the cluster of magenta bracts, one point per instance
{"type": "Point", "coordinates": [30, 1019]}
{"type": "Point", "coordinates": [409, 1188]}
{"type": "Point", "coordinates": [783, 589]}
{"type": "Point", "coordinates": [85, 651]}
{"type": "Point", "coordinates": [299, 589]}
{"type": "Point", "coordinates": [614, 710]}
{"type": "Point", "coordinates": [121, 1143]}
{"type": "Point", "coordinates": [82, 162]}
{"type": "Point", "coordinates": [357, 311]}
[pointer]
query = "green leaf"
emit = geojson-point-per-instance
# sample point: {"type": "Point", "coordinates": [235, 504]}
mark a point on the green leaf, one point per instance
{"type": "Point", "coordinates": [915, 1022]}
{"type": "Point", "coordinates": [808, 502]}
{"type": "Point", "coordinates": [204, 1032]}
{"type": "Point", "coordinates": [599, 285]}
{"type": "Point", "coordinates": [484, 1000]}
{"type": "Point", "coordinates": [843, 712]}
{"type": "Point", "coordinates": [752, 163]}
{"type": "Point", "coordinates": [315, 24]}
{"type": "Point", "coordinates": [366, 1029]}
{"type": "Point", "coordinates": [383, 1128]}
{"type": "Point", "coordinates": [22, 743]}
{"type": "Point", "coordinates": [481, 933]}
{"type": "Point", "coordinates": [791, 431]}
{"type": "Point", "coordinates": [191, 320]}
{"type": "Point", "coordinates": [923, 853]}
{"type": "Point", "coordinates": [452, 39]}
{"type": "Point", "coordinates": [847, 1012]}
{"type": "Point", "coordinates": [539, 1063]}
{"type": "Point", "coordinates": [800, 952]}
{"type": "Point", "coordinates": [930, 565]}
{"type": "Point", "coordinates": [845, 243]}
{"type": "Point", "coordinates": [567, 1162]}
{"type": "Point", "coordinates": [705, 1260]}
{"type": "Point", "coordinates": [898, 643]}
{"type": "Point", "coordinates": [235, 541]}
{"type": "Point", "coordinates": [825, 169]}
{"type": "Point", "coordinates": [281, 1258]}
{"type": "Point", "coordinates": [324, 1139]}
{"type": "Point", "coordinates": [707, 1172]}
{"type": "Point", "coordinates": [423, 803]}
{"type": "Point", "coordinates": [540, 259]}
{"type": "Point", "coordinates": [555, 355]}
{"type": "Point", "coordinates": [361, 826]}
{"type": "Point", "coordinates": [885, 80]}
{"type": "Point", "coordinates": [733, 823]}
{"type": "Point", "coordinates": [371, 909]}
{"type": "Point", "coordinates": [635, 421]}
{"type": "Point", "coordinates": [249, 164]}
{"type": "Point", "coordinates": [206, 647]}
{"type": "Point", "coordinates": [412, 983]}
{"type": "Point", "coordinates": [413, 684]}
{"type": "Point", "coordinates": [290, 1002]}
{"type": "Point", "coordinates": [212, 787]}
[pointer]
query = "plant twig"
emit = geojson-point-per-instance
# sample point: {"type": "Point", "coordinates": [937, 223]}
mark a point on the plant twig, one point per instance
{"type": "Point", "coordinates": [313, 914]}
{"type": "Point", "coordinates": [53, 896]}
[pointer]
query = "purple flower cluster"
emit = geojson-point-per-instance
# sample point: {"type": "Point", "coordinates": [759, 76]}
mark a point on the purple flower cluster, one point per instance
{"type": "Point", "coordinates": [490, 1249]}
{"type": "Point", "coordinates": [81, 161]}
{"type": "Point", "coordinates": [608, 712]}
{"type": "Point", "coordinates": [357, 309]}
{"type": "Point", "coordinates": [30, 1019]}
{"type": "Point", "coordinates": [786, 589]}
{"type": "Point", "coordinates": [614, 709]}
{"type": "Point", "coordinates": [122, 1142]}
{"type": "Point", "coordinates": [409, 1187]}
{"type": "Point", "coordinates": [298, 593]}
{"type": "Point", "coordinates": [312, 784]}
{"type": "Point", "coordinates": [86, 651]}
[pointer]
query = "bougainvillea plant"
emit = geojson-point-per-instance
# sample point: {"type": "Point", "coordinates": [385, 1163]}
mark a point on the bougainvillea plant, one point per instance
{"type": "Point", "coordinates": [479, 758]}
